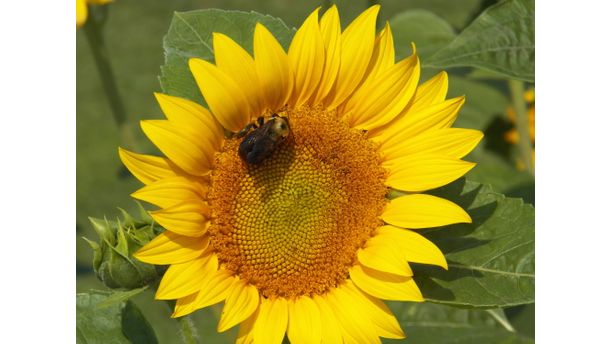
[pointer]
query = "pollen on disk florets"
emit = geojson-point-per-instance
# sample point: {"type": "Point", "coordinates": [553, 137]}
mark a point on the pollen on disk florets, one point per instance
{"type": "Point", "coordinates": [292, 225]}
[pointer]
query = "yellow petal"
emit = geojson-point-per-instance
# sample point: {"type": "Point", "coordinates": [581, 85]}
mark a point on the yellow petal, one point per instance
{"type": "Point", "coordinates": [383, 56]}
{"type": "Point", "coordinates": [184, 279]}
{"type": "Point", "coordinates": [307, 58]}
{"type": "Point", "coordinates": [215, 288]}
{"type": "Point", "coordinates": [273, 68]}
{"type": "Point", "coordinates": [304, 321]}
{"type": "Point", "coordinates": [413, 246]}
{"type": "Point", "coordinates": [330, 31]}
{"type": "Point", "coordinates": [171, 248]}
{"type": "Point", "coordinates": [382, 256]}
{"type": "Point", "coordinates": [245, 333]}
{"type": "Point", "coordinates": [236, 63]}
{"type": "Point", "coordinates": [381, 100]}
{"type": "Point", "coordinates": [148, 168]}
{"type": "Point", "coordinates": [184, 305]}
{"type": "Point", "coordinates": [353, 317]}
{"type": "Point", "coordinates": [271, 323]}
{"type": "Point", "coordinates": [450, 142]}
{"type": "Point", "coordinates": [168, 192]}
{"type": "Point", "coordinates": [431, 92]}
{"type": "Point", "coordinates": [241, 302]}
{"type": "Point", "coordinates": [437, 116]}
{"type": "Point", "coordinates": [183, 147]}
{"type": "Point", "coordinates": [379, 313]}
{"type": "Point", "coordinates": [385, 286]}
{"type": "Point", "coordinates": [424, 172]}
{"type": "Point", "coordinates": [357, 44]}
{"type": "Point", "coordinates": [423, 211]}
{"type": "Point", "coordinates": [81, 12]}
{"type": "Point", "coordinates": [189, 219]}
{"type": "Point", "coordinates": [224, 97]}
{"type": "Point", "coordinates": [330, 328]}
{"type": "Point", "coordinates": [193, 116]}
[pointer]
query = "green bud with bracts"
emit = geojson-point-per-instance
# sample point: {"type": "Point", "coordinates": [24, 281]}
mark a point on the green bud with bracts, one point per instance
{"type": "Point", "coordinates": [118, 240]}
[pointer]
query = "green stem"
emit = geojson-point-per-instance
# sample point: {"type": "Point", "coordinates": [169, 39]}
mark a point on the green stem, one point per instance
{"type": "Point", "coordinates": [96, 42]}
{"type": "Point", "coordinates": [189, 333]}
{"type": "Point", "coordinates": [188, 330]}
{"type": "Point", "coordinates": [517, 89]}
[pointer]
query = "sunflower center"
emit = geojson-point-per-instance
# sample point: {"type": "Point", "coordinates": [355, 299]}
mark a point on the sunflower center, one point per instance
{"type": "Point", "coordinates": [292, 224]}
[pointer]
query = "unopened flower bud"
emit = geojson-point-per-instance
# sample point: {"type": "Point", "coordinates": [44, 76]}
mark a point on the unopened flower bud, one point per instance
{"type": "Point", "coordinates": [113, 262]}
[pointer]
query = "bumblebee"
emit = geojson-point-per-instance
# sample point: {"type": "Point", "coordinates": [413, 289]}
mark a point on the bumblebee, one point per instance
{"type": "Point", "coordinates": [263, 140]}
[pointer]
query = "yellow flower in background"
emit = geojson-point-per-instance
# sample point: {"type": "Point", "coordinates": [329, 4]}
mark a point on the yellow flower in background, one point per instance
{"type": "Point", "coordinates": [304, 243]}
{"type": "Point", "coordinates": [512, 135]}
{"type": "Point", "coordinates": [81, 9]}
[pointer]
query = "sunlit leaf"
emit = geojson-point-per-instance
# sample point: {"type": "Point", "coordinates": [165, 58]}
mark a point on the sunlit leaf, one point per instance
{"type": "Point", "coordinates": [491, 262]}
{"type": "Point", "coordinates": [428, 31]}
{"type": "Point", "coordinates": [426, 323]}
{"type": "Point", "coordinates": [501, 39]}
{"type": "Point", "coordinates": [190, 35]}
{"type": "Point", "coordinates": [120, 296]}
{"type": "Point", "coordinates": [117, 323]}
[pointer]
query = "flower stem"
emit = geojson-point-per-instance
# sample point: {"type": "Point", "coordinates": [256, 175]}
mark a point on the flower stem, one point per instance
{"type": "Point", "coordinates": [188, 330]}
{"type": "Point", "coordinates": [189, 333]}
{"type": "Point", "coordinates": [96, 42]}
{"type": "Point", "coordinates": [517, 88]}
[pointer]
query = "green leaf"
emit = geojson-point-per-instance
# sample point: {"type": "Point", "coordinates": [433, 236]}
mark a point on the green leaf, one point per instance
{"type": "Point", "coordinates": [118, 323]}
{"type": "Point", "coordinates": [120, 296]}
{"type": "Point", "coordinates": [491, 261]}
{"type": "Point", "coordinates": [431, 323]}
{"type": "Point", "coordinates": [190, 35]}
{"type": "Point", "coordinates": [483, 102]}
{"type": "Point", "coordinates": [135, 326]}
{"type": "Point", "coordinates": [456, 12]}
{"type": "Point", "coordinates": [428, 31]}
{"type": "Point", "coordinates": [500, 40]}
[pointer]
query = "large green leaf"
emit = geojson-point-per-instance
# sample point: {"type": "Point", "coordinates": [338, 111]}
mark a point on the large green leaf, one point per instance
{"type": "Point", "coordinates": [117, 323]}
{"type": "Point", "coordinates": [501, 40]}
{"type": "Point", "coordinates": [431, 323]}
{"type": "Point", "coordinates": [491, 261]}
{"type": "Point", "coordinates": [428, 31]}
{"type": "Point", "coordinates": [458, 13]}
{"type": "Point", "coordinates": [190, 35]}
{"type": "Point", "coordinates": [120, 296]}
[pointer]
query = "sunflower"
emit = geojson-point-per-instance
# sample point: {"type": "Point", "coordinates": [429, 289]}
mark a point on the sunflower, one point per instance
{"type": "Point", "coordinates": [82, 11]}
{"type": "Point", "coordinates": [305, 243]}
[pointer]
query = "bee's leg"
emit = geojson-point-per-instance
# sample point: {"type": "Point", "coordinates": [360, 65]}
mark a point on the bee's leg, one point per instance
{"type": "Point", "coordinates": [260, 120]}
{"type": "Point", "coordinates": [245, 130]}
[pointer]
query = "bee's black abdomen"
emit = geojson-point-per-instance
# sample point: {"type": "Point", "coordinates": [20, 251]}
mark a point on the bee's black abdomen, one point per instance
{"type": "Point", "coordinates": [257, 151]}
{"type": "Point", "coordinates": [253, 150]}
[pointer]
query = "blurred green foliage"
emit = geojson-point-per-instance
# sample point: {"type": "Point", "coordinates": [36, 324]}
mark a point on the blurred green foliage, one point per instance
{"type": "Point", "coordinates": [134, 32]}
